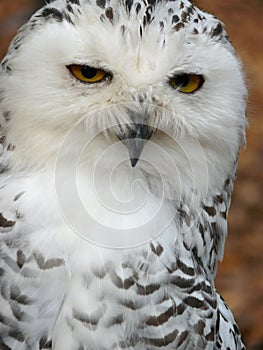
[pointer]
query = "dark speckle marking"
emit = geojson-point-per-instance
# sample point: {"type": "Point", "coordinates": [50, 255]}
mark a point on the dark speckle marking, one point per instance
{"type": "Point", "coordinates": [175, 19]}
{"type": "Point", "coordinates": [211, 211]}
{"type": "Point", "coordinates": [217, 30]}
{"type": "Point", "coordinates": [184, 16]}
{"type": "Point", "coordinates": [69, 8]}
{"type": "Point", "coordinates": [52, 12]}
{"type": "Point", "coordinates": [20, 258]}
{"type": "Point", "coordinates": [19, 195]}
{"type": "Point", "coordinates": [109, 13]}
{"type": "Point", "coordinates": [178, 26]}
{"type": "Point", "coordinates": [101, 3]}
{"type": "Point", "coordinates": [138, 8]}
{"type": "Point", "coordinates": [128, 4]}
{"type": "Point", "coordinates": [2, 139]}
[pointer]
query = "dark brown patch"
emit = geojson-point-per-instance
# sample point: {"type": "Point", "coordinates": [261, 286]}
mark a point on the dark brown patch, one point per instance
{"type": "Point", "coordinates": [178, 26]}
{"type": "Point", "coordinates": [182, 337]}
{"type": "Point", "coordinates": [11, 147]}
{"type": "Point", "coordinates": [5, 222]}
{"type": "Point", "coordinates": [159, 342]}
{"type": "Point", "coordinates": [184, 16]}
{"type": "Point", "coordinates": [109, 13]}
{"type": "Point", "coordinates": [100, 273]}
{"type": "Point", "coordinates": [195, 303]}
{"type": "Point", "coordinates": [210, 336]}
{"type": "Point", "coordinates": [157, 250]}
{"type": "Point", "coordinates": [219, 199]}
{"type": "Point", "coordinates": [92, 320]}
{"type": "Point", "coordinates": [162, 318]}
{"type": "Point", "coordinates": [120, 283]}
{"type": "Point", "coordinates": [199, 327]}
{"type": "Point", "coordinates": [181, 309]}
{"type": "Point", "coordinates": [227, 182]}
{"type": "Point", "coordinates": [49, 264]}
{"type": "Point", "coordinates": [211, 211]}
{"type": "Point", "coordinates": [186, 269]}
{"type": "Point", "coordinates": [149, 289]}
{"type": "Point", "coordinates": [182, 282]}
{"type": "Point", "coordinates": [223, 214]}
{"type": "Point", "coordinates": [211, 302]}
{"type": "Point", "coordinates": [116, 320]}
{"type": "Point", "coordinates": [2, 139]}
{"type": "Point", "coordinates": [130, 304]}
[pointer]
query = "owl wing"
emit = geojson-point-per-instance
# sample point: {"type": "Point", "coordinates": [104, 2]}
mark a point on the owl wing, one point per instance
{"type": "Point", "coordinates": [227, 332]}
{"type": "Point", "coordinates": [31, 276]}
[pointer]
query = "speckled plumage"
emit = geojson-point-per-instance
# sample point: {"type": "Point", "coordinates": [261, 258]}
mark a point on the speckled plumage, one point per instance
{"type": "Point", "coordinates": [127, 279]}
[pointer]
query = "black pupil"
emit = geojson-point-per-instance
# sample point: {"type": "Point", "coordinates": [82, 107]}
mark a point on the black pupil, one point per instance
{"type": "Point", "coordinates": [182, 80]}
{"type": "Point", "coordinates": [88, 72]}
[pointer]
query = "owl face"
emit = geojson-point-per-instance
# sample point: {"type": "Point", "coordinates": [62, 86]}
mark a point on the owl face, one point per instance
{"type": "Point", "coordinates": [116, 66]}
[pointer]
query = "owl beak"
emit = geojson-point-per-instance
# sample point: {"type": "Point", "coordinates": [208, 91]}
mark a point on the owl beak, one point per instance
{"type": "Point", "coordinates": [135, 140]}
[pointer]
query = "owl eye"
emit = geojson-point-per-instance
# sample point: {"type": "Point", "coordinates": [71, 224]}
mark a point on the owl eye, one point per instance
{"type": "Point", "coordinates": [187, 83]}
{"type": "Point", "coordinates": [87, 74]}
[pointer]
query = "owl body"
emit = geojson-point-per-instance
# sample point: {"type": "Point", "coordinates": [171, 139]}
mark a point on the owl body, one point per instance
{"type": "Point", "coordinates": [99, 251]}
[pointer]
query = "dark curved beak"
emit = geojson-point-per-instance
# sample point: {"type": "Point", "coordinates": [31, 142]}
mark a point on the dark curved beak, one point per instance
{"type": "Point", "coordinates": [135, 139]}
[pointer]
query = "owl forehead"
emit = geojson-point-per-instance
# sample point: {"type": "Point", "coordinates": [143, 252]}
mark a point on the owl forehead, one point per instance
{"type": "Point", "coordinates": [147, 20]}
{"type": "Point", "coordinates": [166, 15]}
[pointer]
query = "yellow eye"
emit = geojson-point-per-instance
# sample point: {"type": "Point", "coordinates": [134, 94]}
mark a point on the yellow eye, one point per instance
{"type": "Point", "coordinates": [87, 74]}
{"type": "Point", "coordinates": [187, 83]}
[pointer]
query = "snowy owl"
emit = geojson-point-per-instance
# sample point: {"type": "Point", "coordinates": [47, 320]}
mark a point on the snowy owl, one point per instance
{"type": "Point", "coordinates": [121, 123]}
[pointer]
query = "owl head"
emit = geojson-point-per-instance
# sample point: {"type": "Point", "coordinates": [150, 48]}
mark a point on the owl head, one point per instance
{"type": "Point", "coordinates": [138, 74]}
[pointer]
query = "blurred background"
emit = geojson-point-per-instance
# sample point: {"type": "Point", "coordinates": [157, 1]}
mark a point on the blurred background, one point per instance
{"type": "Point", "coordinates": [240, 276]}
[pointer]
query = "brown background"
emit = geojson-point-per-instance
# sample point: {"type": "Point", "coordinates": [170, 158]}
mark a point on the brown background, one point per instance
{"type": "Point", "coordinates": [240, 276]}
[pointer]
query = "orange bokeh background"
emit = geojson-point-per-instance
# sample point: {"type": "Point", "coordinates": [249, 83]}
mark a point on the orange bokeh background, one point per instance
{"type": "Point", "coordinates": [240, 276]}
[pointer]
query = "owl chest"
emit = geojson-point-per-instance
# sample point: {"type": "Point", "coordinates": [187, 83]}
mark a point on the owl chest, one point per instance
{"type": "Point", "coordinates": [100, 280]}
